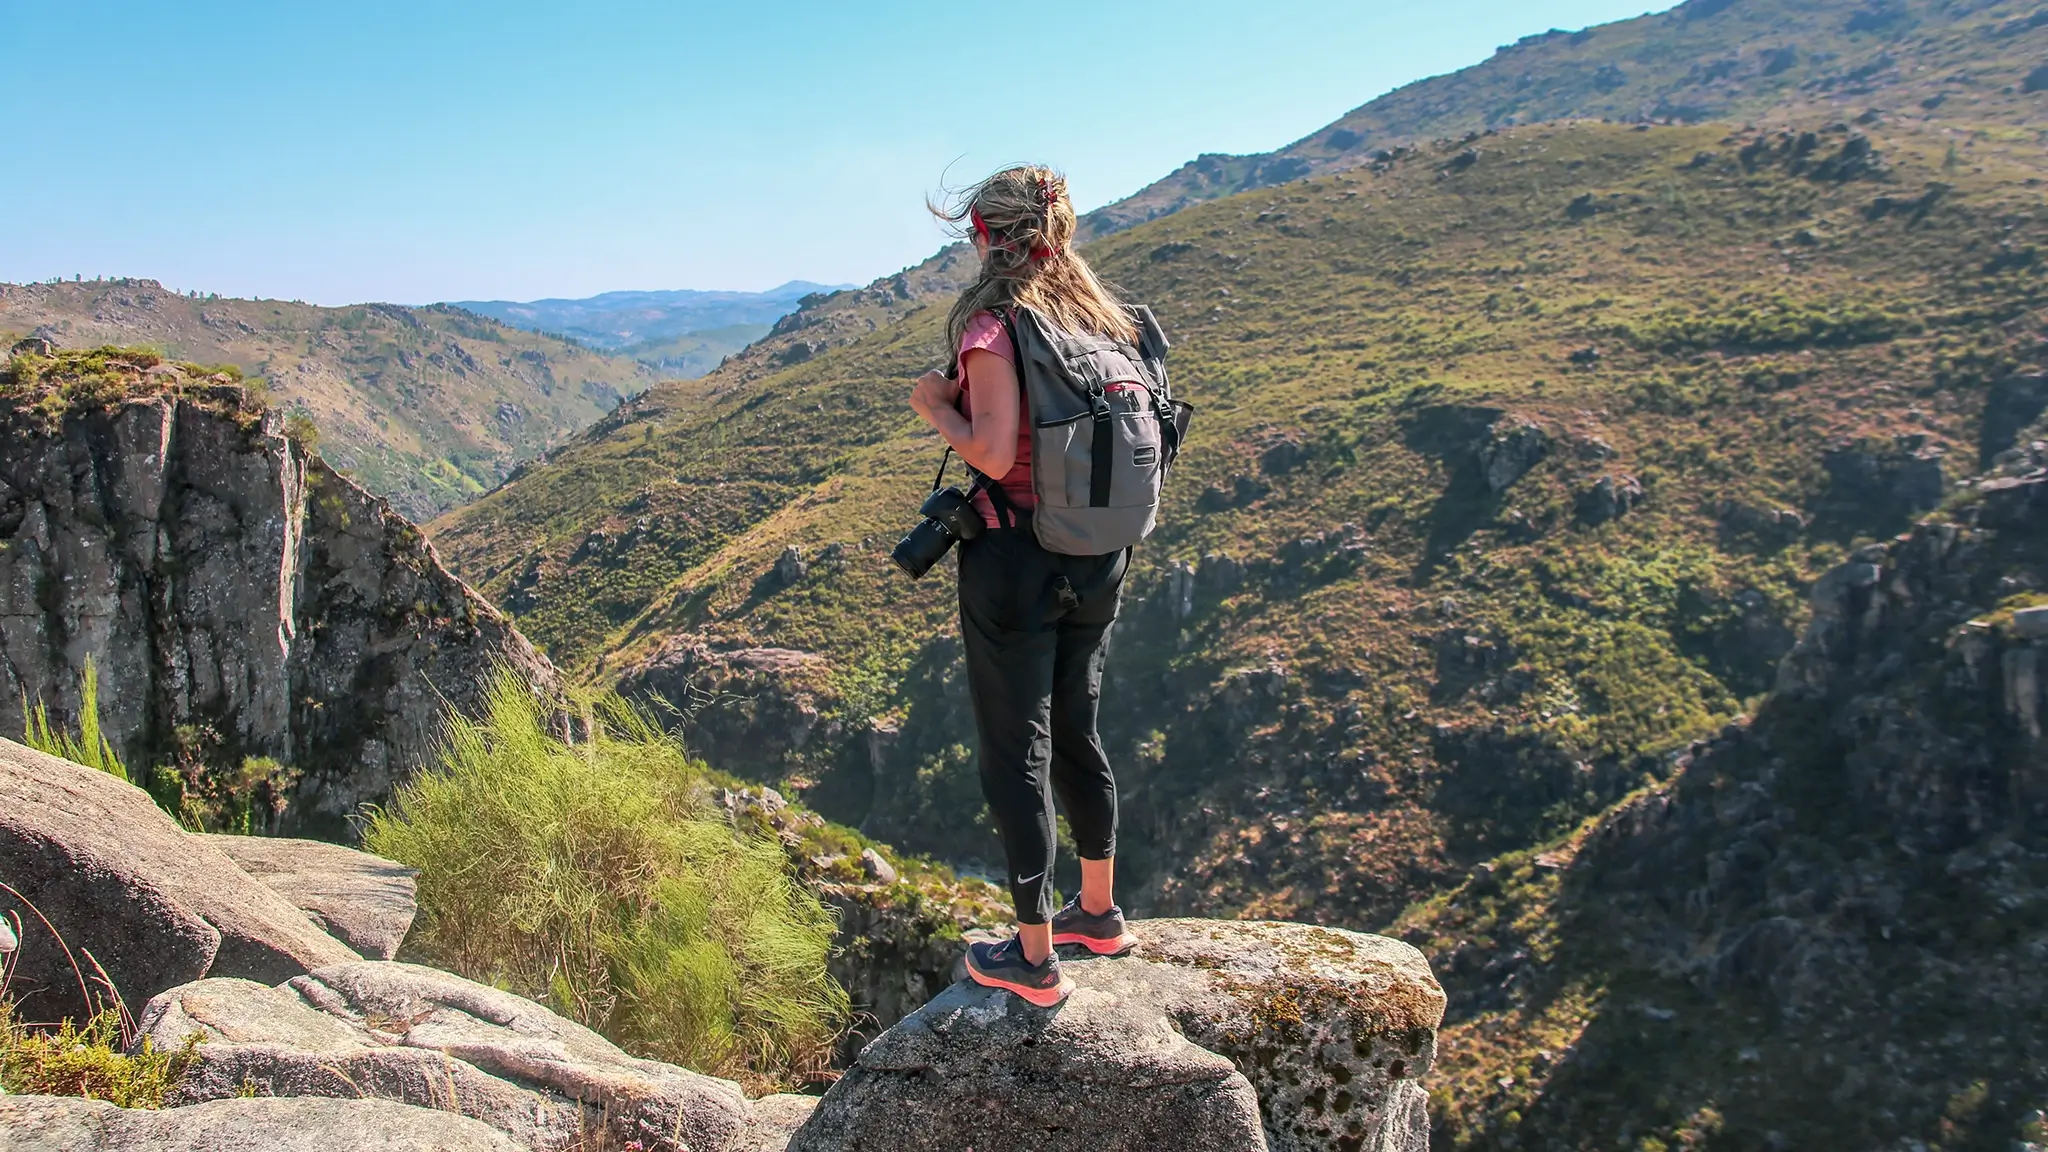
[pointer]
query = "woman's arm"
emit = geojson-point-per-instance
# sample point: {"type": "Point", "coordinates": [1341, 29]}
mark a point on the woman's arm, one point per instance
{"type": "Point", "coordinates": [986, 437]}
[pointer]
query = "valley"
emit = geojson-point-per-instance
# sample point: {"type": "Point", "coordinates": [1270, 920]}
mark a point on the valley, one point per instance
{"type": "Point", "coordinates": [1610, 558]}
{"type": "Point", "coordinates": [677, 334]}
{"type": "Point", "coordinates": [1520, 450]}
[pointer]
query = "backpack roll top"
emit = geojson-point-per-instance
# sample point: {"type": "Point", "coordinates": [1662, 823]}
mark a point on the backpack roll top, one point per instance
{"type": "Point", "coordinates": [1104, 429]}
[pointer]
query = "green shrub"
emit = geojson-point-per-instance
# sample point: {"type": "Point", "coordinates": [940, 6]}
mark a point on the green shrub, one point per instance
{"type": "Point", "coordinates": [1778, 322]}
{"type": "Point", "coordinates": [206, 793]}
{"type": "Point", "coordinates": [90, 746]}
{"type": "Point", "coordinates": [299, 427]}
{"type": "Point", "coordinates": [88, 1061]}
{"type": "Point", "coordinates": [597, 876]}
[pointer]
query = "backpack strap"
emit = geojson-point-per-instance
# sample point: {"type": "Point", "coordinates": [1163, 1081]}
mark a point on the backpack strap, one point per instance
{"type": "Point", "coordinates": [1007, 513]}
{"type": "Point", "coordinates": [1101, 456]}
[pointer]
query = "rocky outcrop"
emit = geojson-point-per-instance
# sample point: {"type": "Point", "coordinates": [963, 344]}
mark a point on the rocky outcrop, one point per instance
{"type": "Point", "coordinates": [239, 598]}
{"type": "Point", "coordinates": [1609, 498]}
{"type": "Point", "coordinates": [1878, 489]}
{"type": "Point", "coordinates": [2013, 405]}
{"type": "Point", "coordinates": [72, 1124]}
{"type": "Point", "coordinates": [772, 1120]}
{"type": "Point", "coordinates": [128, 891]}
{"type": "Point", "coordinates": [748, 710]}
{"type": "Point", "coordinates": [1331, 1030]}
{"type": "Point", "coordinates": [364, 901]}
{"type": "Point", "coordinates": [1508, 451]}
{"type": "Point", "coordinates": [977, 1068]}
{"type": "Point", "coordinates": [421, 1036]}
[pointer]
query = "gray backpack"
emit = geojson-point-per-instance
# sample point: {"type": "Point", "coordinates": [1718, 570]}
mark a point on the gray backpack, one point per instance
{"type": "Point", "coordinates": [1104, 429]}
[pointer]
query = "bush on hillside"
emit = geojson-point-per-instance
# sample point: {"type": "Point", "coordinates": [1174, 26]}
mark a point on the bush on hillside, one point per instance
{"type": "Point", "coordinates": [596, 875]}
{"type": "Point", "coordinates": [77, 380]}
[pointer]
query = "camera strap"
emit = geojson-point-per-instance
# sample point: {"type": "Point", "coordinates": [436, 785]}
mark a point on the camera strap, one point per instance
{"type": "Point", "coordinates": [1006, 512]}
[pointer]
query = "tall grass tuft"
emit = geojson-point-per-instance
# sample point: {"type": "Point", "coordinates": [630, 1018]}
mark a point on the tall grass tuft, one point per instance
{"type": "Point", "coordinates": [87, 1061]}
{"type": "Point", "coordinates": [90, 746]}
{"type": "Point", "coordinates": [598, 876]}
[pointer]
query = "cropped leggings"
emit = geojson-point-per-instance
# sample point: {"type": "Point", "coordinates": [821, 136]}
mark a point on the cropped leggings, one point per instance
{"type": "Point", "coordinates": [1035, 625]}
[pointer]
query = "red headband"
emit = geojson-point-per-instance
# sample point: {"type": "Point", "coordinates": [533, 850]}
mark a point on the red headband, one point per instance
{"type": "Point", "coordinates": [1041, 252]}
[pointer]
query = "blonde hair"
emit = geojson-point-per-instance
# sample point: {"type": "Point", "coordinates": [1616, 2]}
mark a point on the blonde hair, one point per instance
{"type": "Point", "coordinates": [1030, 259]}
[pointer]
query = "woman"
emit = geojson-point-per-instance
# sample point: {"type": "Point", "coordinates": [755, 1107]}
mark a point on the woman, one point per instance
{"type": "Point", "coordinates": [1035, 623]}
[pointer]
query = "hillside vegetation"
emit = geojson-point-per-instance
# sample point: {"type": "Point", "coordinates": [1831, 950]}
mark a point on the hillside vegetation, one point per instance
{"type": "Point", "coordinates": [428, 406]}
{"type": "Point", "coordinates": [620, 893]}
{"type": "Point", "coordinates": [1513, 462]}
{"type": "Point", "coordinates": [1519, 453]}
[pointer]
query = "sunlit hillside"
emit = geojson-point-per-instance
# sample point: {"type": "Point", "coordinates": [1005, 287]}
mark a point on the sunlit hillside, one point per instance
{"type": "Point", "coordinates": [429, 406]}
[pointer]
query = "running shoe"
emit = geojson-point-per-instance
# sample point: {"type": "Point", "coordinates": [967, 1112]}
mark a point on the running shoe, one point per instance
{"type": "Point", "coordinates": [1004, 966]}
{"type": "Point", "coordinates": [1104, 935]}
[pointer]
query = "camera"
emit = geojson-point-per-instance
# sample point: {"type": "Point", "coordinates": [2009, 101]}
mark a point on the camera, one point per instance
{"type": "Point", "coordinates": [949, 517]}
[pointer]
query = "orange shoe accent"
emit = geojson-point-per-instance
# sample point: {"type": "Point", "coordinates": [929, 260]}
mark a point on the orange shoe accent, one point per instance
{"type": "Point", "coordinates": [1116, 947]}
{"type": "Point", "coordinates": [1043, 997]}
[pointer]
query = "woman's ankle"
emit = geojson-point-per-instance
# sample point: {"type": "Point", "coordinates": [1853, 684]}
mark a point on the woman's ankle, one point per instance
{"type": "Point", "coordinates": [1098, 881]}
{"type": "Point", "coordinates": [1036, 940]}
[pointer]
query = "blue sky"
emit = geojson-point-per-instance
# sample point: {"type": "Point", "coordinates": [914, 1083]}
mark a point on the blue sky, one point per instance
{"type": "Point", "coordinates": [436, 149]}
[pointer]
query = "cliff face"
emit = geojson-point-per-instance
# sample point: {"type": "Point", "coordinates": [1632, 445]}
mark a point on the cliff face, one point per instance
{"type": "Point", "coordinates": [1829, 928]}
{"type": "Point", "coordinates": [239, 598]}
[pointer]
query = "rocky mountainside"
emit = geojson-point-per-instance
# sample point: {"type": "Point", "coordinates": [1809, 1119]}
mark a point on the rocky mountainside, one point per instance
{"type": "Point", "coordinates": [271, 641]}
{"type": "Point", "coordinates": [1828, 929]}
{"type": "Point", "coordinates": [1773, 62]}
{"type": "Point", "coordinates": [1513, 462]}
{"type": "Point", "coordinates": [1519, 453]}
{"type": "Point", "coordinates": [425, 406]}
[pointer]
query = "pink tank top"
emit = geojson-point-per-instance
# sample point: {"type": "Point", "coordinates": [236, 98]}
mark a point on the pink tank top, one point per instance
{"type": "Point", "coordinates": [986, 332]}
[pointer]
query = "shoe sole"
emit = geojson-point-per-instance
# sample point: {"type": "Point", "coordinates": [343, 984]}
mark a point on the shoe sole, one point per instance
{"type": "Point", "coordinates": [1042, 997]}
{"type": "Point", "coordinates": [1116, 947]}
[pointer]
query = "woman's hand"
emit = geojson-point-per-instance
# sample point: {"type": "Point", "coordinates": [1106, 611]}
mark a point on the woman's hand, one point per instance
{"type": "Point", "coordinates": [934, 392]}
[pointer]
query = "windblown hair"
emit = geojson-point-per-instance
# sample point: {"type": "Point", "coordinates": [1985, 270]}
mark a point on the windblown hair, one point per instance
{"type": "Point", "coordinates": [1030, 258]}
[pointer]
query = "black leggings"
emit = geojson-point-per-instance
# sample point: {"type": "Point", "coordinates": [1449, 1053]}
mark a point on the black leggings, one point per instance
{"type": "Point", "coordinates": [1036, 628]}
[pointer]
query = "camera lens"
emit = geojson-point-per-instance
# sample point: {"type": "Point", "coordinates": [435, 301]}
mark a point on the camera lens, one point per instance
{"type": "Point", "coordinates": [924, 547]}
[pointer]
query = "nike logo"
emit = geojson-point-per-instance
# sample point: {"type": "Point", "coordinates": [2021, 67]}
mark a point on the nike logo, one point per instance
{"type": "Point", "coordinates": [1029, 879]}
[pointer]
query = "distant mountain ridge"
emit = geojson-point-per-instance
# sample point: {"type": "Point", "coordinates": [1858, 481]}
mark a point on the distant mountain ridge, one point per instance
{"type": "Point", "coordinates": [682, 332]}
{"type": "Point", "coordinates": [654, 321]}
{"type": "Point", "coordinates": [1775, 61]}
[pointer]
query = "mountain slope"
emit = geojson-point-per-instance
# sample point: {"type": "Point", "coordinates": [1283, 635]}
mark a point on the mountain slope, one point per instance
{"type": "Point", "coordinates": [1827, 930]}
{"type": "Point", "coordinates": [1951, 62]}
{"type": "Point", "coordinates": [427, 406]}
{"type": "Point", "coordinates": [1512, 464]}
{"type": "Point", "coordinates": [1971, 68]}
